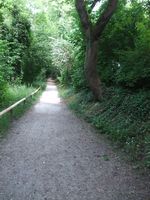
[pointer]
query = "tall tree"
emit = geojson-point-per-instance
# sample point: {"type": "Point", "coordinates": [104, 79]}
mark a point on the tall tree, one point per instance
{"type": "Point", "coordinates": [93, 32]}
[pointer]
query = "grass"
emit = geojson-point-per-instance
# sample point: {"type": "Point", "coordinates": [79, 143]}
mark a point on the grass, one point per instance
{"type": "Point", "coordinates": [14, 94]}
{"type": "Point", "coordinates": [122, 115]}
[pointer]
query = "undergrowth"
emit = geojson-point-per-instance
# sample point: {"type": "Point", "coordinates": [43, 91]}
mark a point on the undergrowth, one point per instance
{"type": "Point", "coordinates": [14, 94]}
{"type": "Point", "coordinates": [122, 115]}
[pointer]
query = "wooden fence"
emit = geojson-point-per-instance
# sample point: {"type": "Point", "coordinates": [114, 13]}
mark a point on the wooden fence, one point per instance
{"type": "Point", "coordinates": [10, 109]}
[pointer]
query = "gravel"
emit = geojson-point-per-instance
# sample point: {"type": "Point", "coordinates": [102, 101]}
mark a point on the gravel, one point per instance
{"type": "Point", "coordinates": [50, 154]}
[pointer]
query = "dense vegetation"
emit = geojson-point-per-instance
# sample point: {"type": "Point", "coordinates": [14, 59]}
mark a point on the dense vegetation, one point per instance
{"type": "Point", "coordinates": [23, 58]}
{"type": "Point", "coordinates": [46, 38]}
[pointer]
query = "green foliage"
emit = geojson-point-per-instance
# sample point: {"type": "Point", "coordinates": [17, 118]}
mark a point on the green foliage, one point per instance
{"type": "Point", "coordinates": [125, 48]}
{"type": "Point", "coordinates": [135, 69]}
{"type": "Point", "coordinates": [16, 31]}
{"type": "Point", "coordinates": [77, 39]}
{"type": "Point", "coordinates": [15, 93]}
{"type": "Point", "coordinates": [3, 89]}
{"type": "Point", "coordinates": [77, 73]}
{"type": "Point", "coordinates": [4, 72]}
{"type": "Point", "coordinates": [61, 53]}
{"type": "Point", "coordinates": [40, 80]}
{"type": "Point", "coordinates": [23, 54]}
{"type": "Point", "coordinates": [15, 45]}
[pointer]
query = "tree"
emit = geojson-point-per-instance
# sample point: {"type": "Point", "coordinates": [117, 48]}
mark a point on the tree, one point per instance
{"type": "Point", "coordinates": [93, 32]}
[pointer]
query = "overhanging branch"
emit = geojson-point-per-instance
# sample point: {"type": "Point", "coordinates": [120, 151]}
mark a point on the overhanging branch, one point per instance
{"type": "Point", "coordinates": [84, 17]}
{"type": "Point", "coordinates": [104, 18]}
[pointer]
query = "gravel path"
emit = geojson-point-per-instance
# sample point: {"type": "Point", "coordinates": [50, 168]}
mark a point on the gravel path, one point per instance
{"type": "Point", "coordinates": [50, 154]}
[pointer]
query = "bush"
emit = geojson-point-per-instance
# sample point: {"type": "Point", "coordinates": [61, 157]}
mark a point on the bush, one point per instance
{"type": "Point", "coordinates": [3, 90]}
{"type": "Point", "coordinates": [5, 70]}
{"type": "Point", "coordinates": [134, 70]}
{"type": "Point", "coordinates": [40, 80]}
{"type": "Point", "coordinates": [125, 48]}
{"type": "Point", "coordinates": [77, 72]}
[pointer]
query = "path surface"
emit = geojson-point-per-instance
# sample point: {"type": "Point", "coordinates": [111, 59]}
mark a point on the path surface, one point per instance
{"type": "Point", "coordinates": [50, 154]}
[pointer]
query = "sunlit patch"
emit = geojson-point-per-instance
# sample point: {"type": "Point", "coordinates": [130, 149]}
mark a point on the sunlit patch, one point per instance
{"type": "Point", "coordinates": [50, 95]}
{"type": "Point", "coordinates": [97, 6]}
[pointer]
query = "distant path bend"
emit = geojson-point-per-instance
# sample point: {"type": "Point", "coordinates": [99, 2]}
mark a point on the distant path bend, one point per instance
{"type": "Point", "coordinates": [50, 154]}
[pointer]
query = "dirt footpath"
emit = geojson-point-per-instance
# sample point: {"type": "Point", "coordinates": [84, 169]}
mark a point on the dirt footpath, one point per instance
{"type": "Point", "coordinates": [50, 154]}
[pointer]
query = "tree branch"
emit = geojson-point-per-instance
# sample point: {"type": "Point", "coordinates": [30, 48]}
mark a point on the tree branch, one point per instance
{"type": "Point", "coordinates": [84, 17]}
{"type": "Point", "coordinates": [104, 18]}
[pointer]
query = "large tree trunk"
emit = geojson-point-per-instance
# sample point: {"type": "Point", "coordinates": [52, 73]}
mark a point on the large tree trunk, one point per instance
{"type": "Point", "coordinates": [92, 33]}
{"type": "Point", "coordinates": [91, 69]}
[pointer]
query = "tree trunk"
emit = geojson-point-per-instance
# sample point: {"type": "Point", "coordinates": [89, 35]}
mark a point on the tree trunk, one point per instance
{"type": "Point", "coordinates": [91, 69]}
{"type": "Point", "coordinates": [92, 33]}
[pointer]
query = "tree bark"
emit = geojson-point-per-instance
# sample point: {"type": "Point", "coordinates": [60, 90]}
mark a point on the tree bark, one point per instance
{"type": "Point", "coordinates": [91, 69]}
{"type": "Point", "coordinates": [93, 34]}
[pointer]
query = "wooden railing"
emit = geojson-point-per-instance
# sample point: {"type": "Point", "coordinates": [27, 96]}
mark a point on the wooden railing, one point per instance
{"type": "Point", "coordinates": [10, 109]}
